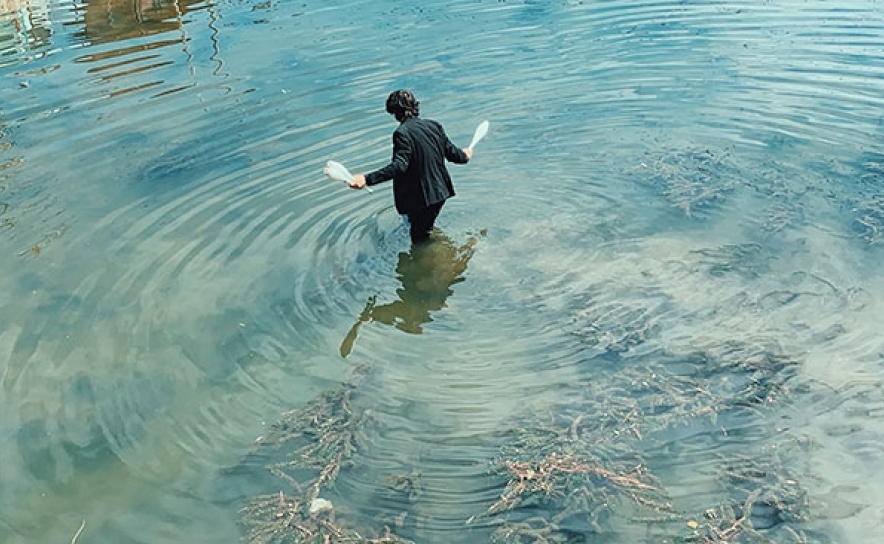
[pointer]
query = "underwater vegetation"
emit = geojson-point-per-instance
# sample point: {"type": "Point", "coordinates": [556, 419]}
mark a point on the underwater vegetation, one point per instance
{"type": "Point", "coordinates": [692, 180]}
{"type": "Point", "coordinates": [607, 458]}
{"type": "Point", "coordinates": [591, 464]}
{"type": "Point", "coordinates": [587, 466]}
{"type": "Point", "coordinates": [314, 444]}
{"type": "Point", "coordinates": [868, 219]}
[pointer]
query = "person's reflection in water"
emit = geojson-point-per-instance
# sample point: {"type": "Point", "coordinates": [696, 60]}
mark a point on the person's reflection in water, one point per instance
{"type": "Point", "coordinates": [427, 273]}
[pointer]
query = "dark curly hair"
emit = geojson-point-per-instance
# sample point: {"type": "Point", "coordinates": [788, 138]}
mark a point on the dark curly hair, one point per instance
{"type": "Point", "coordinates": [403, 105]}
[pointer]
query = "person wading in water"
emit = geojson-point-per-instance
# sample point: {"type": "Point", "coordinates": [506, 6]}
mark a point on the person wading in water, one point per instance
{"type": "Point", "coordinates": [421, 182]}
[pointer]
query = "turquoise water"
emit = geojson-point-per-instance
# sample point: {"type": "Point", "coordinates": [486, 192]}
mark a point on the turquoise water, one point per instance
{"type": "Point", "coordinates": [670, 192]}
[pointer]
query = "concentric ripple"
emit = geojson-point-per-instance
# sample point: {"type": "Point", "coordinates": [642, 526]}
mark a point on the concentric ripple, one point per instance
{"type": "Point", "coordinates": [663, 258]}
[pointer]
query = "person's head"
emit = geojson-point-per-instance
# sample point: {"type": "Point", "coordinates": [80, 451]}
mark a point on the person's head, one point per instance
{"type": "Point", "coordinates": [402, 105]}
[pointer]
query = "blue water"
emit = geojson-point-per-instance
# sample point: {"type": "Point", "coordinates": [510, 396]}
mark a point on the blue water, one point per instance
{"type": "Point", "coordinates": [666, 188]}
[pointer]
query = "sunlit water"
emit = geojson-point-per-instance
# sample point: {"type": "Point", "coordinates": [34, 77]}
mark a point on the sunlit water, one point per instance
{"type": "Point", "coordinates": [661, 180]}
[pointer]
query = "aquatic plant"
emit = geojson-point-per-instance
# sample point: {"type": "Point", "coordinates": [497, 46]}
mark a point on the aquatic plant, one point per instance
{"type": "Point", "coordinates": [316, 442]}
{"type": "Point", "coordinates": [780, 216]}
{"type": "Point", "coordinates": [748, 260]}
{"type": "Point", "coordinates": [595, 460]}
{"type": "Point", "coordinates": [409, 485]}
{"type": "Point", "coordinates": [281, 519]}
{"type": "Point", "coordinates": [582, 466]}
{"type": "Point", "coordinates": [868, 219]}
{"type": "Point", "coordinates": [614, 327]}
{"type": "Point", "coordinates": [765, 496]}
{"type": "Point", "coordinates": [691, 180]}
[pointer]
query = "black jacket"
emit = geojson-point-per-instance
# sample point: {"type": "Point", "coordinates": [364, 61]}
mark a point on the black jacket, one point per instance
{"type": "Point", "coordinates": [420, 178]}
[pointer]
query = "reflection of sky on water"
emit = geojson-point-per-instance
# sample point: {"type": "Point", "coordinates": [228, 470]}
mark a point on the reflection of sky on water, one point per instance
{"type": "Point", "coordinates": [658, 182]}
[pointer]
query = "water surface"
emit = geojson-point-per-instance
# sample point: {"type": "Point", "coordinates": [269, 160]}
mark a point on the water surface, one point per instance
{"type": "Point", "coordinates": [670, 193]}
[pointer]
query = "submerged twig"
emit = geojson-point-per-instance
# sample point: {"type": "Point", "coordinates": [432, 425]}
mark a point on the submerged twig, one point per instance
{"type": "Point", "coordinates": [79, 532]}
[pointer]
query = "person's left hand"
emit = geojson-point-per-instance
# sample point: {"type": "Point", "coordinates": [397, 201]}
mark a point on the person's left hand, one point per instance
{"type": "Point", "coordinates": [468, 152]}
{"type": "Point", "coordinates": [358, 181]}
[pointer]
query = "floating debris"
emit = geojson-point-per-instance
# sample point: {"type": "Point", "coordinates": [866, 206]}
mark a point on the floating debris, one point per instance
{"type": "Point", "coordinates": [319, 505]}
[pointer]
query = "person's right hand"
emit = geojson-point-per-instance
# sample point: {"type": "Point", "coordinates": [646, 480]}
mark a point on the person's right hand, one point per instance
{"type": "Point", "coordinates": [358, 181]}
{"type": "Point", "coordinates": [468, 152]}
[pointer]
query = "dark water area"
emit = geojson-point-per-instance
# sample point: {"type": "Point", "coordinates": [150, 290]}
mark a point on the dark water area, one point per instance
{"type": "Point", "coordinates": [652, 312]}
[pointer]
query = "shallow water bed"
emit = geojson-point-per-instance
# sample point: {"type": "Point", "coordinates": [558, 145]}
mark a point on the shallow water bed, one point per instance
{"type": "Point", "coordinates": [651, 313]}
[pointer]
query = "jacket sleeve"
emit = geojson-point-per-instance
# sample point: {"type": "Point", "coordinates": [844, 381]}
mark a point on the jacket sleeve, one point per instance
{"type": "Point", "coordinates": [398, 165]}
{"type": "Point", "coordinates": [452, 152]}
